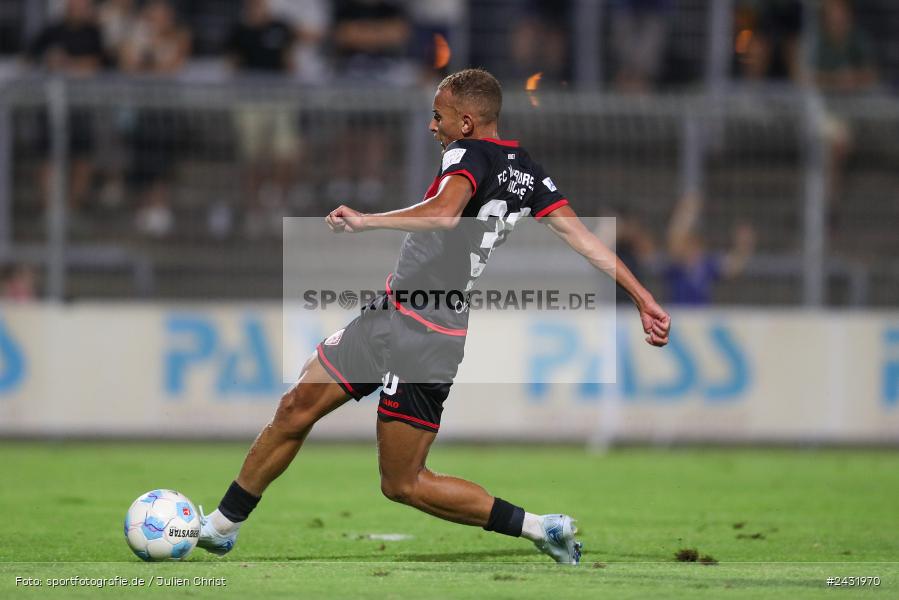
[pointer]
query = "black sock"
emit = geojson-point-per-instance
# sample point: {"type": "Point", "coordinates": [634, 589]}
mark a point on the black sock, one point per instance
{"type": "Point", "coordinates": [505, 518]}
{"type": "Point", "coordinates": [237, 503]}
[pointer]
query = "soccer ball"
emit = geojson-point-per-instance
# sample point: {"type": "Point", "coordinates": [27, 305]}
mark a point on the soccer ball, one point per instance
{"type": "Point", "coordinates": [162, 525]}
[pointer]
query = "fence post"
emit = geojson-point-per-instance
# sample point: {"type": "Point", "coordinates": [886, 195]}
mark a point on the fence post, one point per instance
{"type": "Point", "coordinates": [57, 203]}
{"type": "Point", "coordinates": [587, 26]}
{"type": "Point", "coordinates": [815, 177]}
{"type": "Point", "coordinates": [703, 119]}
{"type": "Point", "coordinates": [5, 176]}
{"type": "Point", "coordinates": [35, 16]}
{"type": "Point", "coordinates": [814, 192]}
{"type": "Point", "coordinates": [460, 41]}
{"type": "Point", "coordinates": [718, 47]}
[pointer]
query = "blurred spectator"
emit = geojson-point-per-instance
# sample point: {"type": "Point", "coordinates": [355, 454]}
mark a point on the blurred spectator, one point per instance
{"type": "Point", "coordinates": [72, 47]}
{"type": "Point", "coordinates": [754, 55]}
{"type": "Point", "coordinates": [371, 39]}
{"type": "Point", "coordinates": [845, 65]}
{"type": "Point", "coordinates": [639, 39]}
{"type": "Point", "coordinates": [845, 55]}
{"type": "Point", "coordinates": [18, 283]}
{"type": "Point", "coordinates": [117, 19]}
{"type": "Point", "coordinates": [693, 270]}
{"type": "Point", "coordinates": [768, 39]}
{"type": "Point", "coordinates": [158, 46]}
{"type": "Point", "coordinates": [262, 44]}
{"type": "Point", "coordinates": [370, 44]}
{"type": "Point", "coordinates": [433, 18]}
{"type": "Point", "coordinates": [540, 42]}
{"type": "Point", "coordinates": [311, 22]}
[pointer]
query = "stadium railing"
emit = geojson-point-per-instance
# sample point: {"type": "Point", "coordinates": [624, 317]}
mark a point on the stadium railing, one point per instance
{"type": "Point", "coordinates": [747, 152]}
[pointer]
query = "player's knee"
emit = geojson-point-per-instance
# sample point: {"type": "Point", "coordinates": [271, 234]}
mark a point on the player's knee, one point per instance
{"type": "Point", "coordinates": [296, 413]}
{"type": "Point", "coordinates": [398, 490]}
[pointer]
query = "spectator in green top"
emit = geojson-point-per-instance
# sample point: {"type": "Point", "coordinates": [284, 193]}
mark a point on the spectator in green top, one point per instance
{"type": "Point", "coordinates": [845, 57]}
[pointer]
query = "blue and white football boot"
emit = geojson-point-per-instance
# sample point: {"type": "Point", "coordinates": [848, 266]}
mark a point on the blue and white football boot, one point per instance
{"type": "Point", "coordinates": [559, 539]}
{"type": "Point", "coordinates": [213, 541]}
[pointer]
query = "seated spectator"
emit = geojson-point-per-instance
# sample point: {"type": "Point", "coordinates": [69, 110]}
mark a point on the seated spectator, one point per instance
{"type": "Point", "coordinates": [693, 270]}
{"type": "Point", "coordinates": [436, 23]}
{"type": "Point", "coordinates": [117, 20]}
{"type": "Point", "coordinates": [311, 22]}
{"type": "Point", "coordinates": [260, 42]}
{"type": "Point", "coordinates": [71, 47]}
{"type": "Point", "coordinates": [639, 39]}
{"type": "Point", "coordinates": [768, 39]}
{"type": "Point", "coordinates": [845, 55]}
{"type": "Point", "coordinates": [844, 65]}
{"type": "Point", "coordinates": [370, 43]}
{"type": "Point", "coordinates": [159, 46]}
{"type": "Point", "coordinates": [540, 42]}
{"type": "Point", "coordinates": [18, 283]}
{"type": "Point", "coordinates": [371, 39]}
{"type": "Point", "coordinates": [263, 45]}
{"type": "Point", "coordinates": [755, 56]}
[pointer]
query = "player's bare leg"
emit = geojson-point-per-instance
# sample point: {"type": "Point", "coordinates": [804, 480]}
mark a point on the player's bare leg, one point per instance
{"type": "Point", "coordinates": [402, 451]}
{"type": "Point", "coordinates": [313, 396]}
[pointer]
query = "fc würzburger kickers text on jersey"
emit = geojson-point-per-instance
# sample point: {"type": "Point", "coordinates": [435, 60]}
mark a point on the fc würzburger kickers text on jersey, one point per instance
{"type": "Point", "coordinates": [507, 186]}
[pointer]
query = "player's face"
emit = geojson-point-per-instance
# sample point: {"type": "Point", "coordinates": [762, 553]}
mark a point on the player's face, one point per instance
{"type": "Point", "coordinates": [446, 122]}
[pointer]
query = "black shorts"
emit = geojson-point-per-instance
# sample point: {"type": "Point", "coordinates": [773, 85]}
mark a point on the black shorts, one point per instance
{"type": "Point", "coordinates": [412, 364]}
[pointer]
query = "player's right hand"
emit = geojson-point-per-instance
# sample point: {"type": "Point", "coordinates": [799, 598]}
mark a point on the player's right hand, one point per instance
{"type": "Point", "coordinates": [343, 218]}
{"type": "Point", "coordinates": [335, 220]}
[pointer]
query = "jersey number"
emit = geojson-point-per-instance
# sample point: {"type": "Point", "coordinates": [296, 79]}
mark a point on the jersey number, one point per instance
{"type": "Point", "coordinates": [390, 383]}
{"type": "Point", "coordinates": [502, 226]}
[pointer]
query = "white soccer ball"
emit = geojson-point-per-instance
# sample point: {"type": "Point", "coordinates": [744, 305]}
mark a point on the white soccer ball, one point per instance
{"type": "Point", "coordinates": [162, 525]}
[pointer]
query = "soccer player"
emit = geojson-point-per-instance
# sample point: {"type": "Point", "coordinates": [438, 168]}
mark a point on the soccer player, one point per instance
{"type": "Point", "coordinates": [413, 353]}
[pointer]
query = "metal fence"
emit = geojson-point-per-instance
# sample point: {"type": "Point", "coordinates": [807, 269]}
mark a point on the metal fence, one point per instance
{"type": "Point", "coordinates": [207, 153]}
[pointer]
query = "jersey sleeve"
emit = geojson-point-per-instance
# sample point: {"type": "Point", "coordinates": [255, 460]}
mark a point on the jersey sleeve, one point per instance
{"type": "Point", "coordinates": [546, 197]}
{"type": "Point", "coordinates": [467, 160]}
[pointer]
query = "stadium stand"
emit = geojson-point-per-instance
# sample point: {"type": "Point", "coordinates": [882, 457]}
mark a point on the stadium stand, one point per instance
{"type": "Point", "coordinates": [750, 146]}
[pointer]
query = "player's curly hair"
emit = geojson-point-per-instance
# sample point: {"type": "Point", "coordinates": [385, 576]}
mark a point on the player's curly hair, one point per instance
{"type": "Point", "coordinates": [478, 88]}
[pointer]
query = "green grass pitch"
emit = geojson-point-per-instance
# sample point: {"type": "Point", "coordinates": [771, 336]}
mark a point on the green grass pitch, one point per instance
{"type": "Point", "coordinates": [779, 523]}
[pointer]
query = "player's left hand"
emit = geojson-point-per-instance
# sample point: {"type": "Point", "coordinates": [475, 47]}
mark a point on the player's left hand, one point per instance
{"type": "Point", "coordinates": [656, 323]}
{"type": "Point", "coordinates": [343, 218]}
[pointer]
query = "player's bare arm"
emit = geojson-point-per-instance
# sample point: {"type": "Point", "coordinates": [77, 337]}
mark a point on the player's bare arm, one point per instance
{"type": "Point", "coordinates": [441, 211]}
{"type": "Point", "coordinates": [565, 223]}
